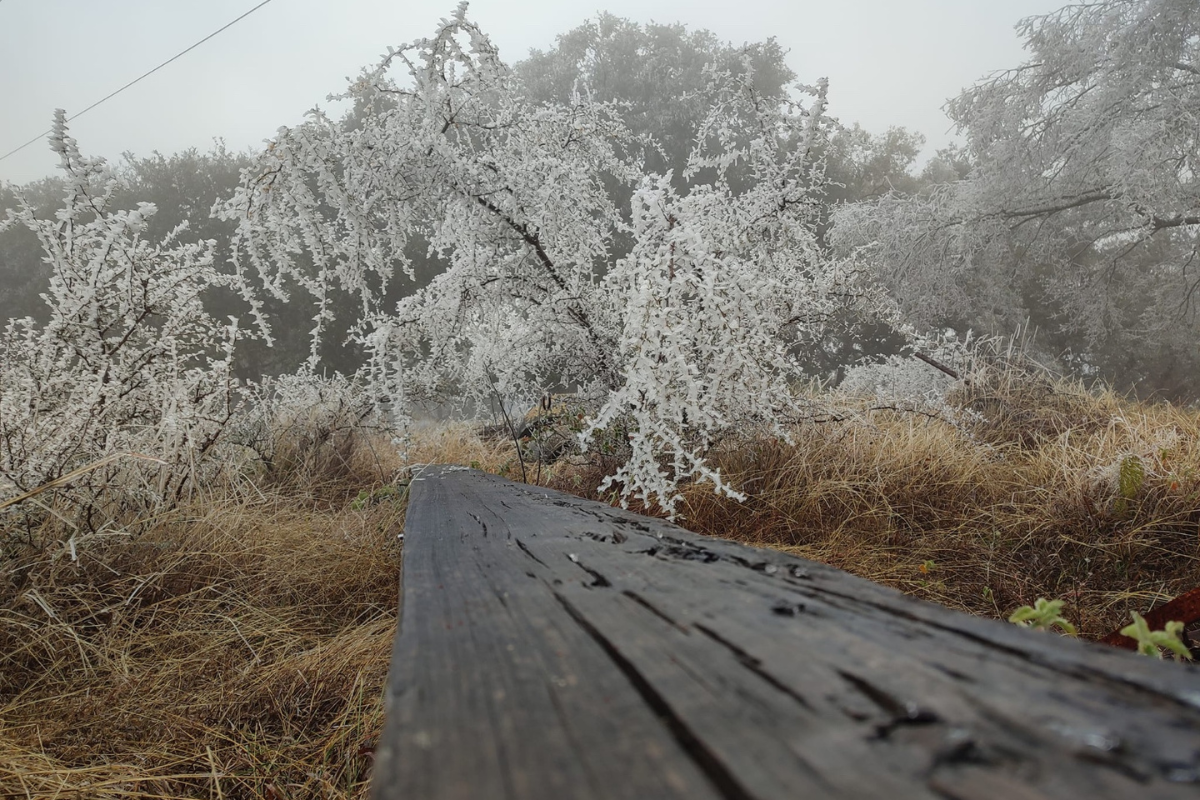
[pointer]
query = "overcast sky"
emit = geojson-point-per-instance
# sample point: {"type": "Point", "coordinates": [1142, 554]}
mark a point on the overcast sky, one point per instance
{"type": "Point", "coordinates": [890, 62]}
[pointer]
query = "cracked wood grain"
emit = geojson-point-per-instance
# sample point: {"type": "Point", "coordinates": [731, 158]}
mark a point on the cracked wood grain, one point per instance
{"type": "Point", "coordinates": [550, 647]}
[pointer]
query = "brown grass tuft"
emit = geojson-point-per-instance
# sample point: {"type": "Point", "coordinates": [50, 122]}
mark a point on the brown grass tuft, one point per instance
{"type": "Point", "coordinates": [237, 648]}
{"type": "Point", "coordinates": [459, 442]}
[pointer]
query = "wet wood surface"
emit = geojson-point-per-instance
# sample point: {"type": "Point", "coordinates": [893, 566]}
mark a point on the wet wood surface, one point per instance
{"type": "Point", "coordinates": [552, 647]}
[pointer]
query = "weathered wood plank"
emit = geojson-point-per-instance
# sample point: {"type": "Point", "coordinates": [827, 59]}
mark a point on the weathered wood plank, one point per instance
{"type": "Point", "coordinates": [495, 691]}
{"type": "Point", "coordinates": [550, 647]}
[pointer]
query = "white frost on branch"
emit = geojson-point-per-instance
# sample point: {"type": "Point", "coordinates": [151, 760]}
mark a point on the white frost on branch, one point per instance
{"type": "Point", "coordinates": [128, 360]}
{"type": "Point", "coordinates": [1083, 203]}
{"type": "Point", "coordinates": [684, 337]}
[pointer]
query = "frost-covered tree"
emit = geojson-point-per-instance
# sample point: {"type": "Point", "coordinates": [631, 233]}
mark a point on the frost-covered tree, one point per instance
{"type": "Point", "coordinates": [182, 186]}
{"type": "Point", "coordinates": [1082, 206]}
{"type": "Point", "coordinates": [862, 166]}
{"type": "Point", "coordinates": [660, 74]}
{"type": "Point", "coordinates": [127, 361]}
{"type": "Point", "coordinates": [681, 339]}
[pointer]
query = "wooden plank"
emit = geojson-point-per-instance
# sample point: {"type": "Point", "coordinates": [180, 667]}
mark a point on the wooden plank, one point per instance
{"type": "Point", "coordinates": [551, 647]}
{"type": "Point", "coordinates": [495, 691]}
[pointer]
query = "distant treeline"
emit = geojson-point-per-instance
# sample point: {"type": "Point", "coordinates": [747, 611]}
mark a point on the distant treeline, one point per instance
{"type": "Point", "coordinates": [966, 241]}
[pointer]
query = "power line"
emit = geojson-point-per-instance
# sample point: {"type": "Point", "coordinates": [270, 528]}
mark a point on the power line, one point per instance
{"type": "Point", "coordinates": [140, 77]}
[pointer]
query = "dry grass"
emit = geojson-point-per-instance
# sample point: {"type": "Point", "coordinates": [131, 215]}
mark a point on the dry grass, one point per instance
{"type": "Point", "coordinates": [460, 443]}
{"type": "Point", "coordinates": [236, 647]}
{"type": "Point", "coordinates": [984, 515]}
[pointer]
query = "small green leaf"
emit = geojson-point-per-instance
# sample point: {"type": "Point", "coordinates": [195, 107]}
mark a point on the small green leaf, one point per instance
{"type": "Point", "coordinates": [1043, 616]}
{"type": "Point", "coordinates": [1152, 643]}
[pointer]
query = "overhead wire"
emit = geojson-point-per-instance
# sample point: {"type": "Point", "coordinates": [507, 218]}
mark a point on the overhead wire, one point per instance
{"type": "Point", "coordinates": [140, 77]}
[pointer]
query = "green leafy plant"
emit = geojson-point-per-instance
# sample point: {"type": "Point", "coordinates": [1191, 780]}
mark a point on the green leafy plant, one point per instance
{"type": "Point", "coordinates": [1152, 643]}
{"type": "Point", "coordinates": [1043, 615]}
{"type": "Point", "coordinates": [367, 498]}
{"type": "Point", "coordinates": [1130, 477]}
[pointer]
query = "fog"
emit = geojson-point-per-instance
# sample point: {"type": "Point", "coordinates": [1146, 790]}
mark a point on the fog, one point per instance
{"type": "Point", "coordinates": [889, 63]}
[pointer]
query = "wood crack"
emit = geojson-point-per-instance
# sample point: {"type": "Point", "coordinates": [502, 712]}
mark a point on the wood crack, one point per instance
{"type": "Point", "coordinates": [900, 713]}
{"type": "Point", "coordinates": [525, 549]}
{"type": "Point", "coordinates": [655, 610]}
{"type": "Point", "coordinates": [598, 580]}
{"type": "Point", "coordinates": [754, 664]}
{"type": "Point", "coordinates": [722, 779]}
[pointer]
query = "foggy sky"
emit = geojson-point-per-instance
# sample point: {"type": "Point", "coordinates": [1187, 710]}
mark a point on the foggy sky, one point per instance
{"type": "Point", "coordinates": [890, 62]}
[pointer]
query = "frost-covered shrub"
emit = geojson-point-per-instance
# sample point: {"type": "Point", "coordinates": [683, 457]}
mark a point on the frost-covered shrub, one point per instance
{"type": "Point", "coordinates": [897, 379]}
{"type": "Point", "coordinates": [128, 362]}
{"type": "Point", "coordinates": [938, 362]}
{"type": "Point", "coordinates": [310, 427]}
{"type": "Point", "coordinates": [685, 337]}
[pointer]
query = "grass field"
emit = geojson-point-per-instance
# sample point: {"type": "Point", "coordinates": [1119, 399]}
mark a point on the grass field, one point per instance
{"type": "Point", "coordinates": [238, 645]}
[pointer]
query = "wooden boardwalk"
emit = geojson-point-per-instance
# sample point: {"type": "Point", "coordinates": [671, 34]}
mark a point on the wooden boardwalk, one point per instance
{"type": "Point", "coordinates": [551, 647]}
